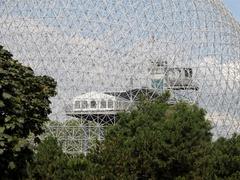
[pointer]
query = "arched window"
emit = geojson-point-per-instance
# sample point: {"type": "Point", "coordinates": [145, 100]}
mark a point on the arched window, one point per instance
{"type": "Point", "coordinates": [103, 104]}
{"type": "Point", "coordinates": [77, 105]}
{"type": "Point", "coordinates": [93, 104]}
{"type": "Point", "coordinates": [118, 105]}
{"type": "Point", "coordinates": [110, 104]}
{"type": "Point", "coordinates": [84, 104]}
{"type": "Point", "coordinates": [188, 72]}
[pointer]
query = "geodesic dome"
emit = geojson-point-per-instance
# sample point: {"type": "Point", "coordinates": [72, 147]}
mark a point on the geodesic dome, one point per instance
{"type": "Point", "coordinates": [111, 46]}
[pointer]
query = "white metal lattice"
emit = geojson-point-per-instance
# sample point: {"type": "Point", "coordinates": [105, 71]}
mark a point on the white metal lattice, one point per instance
{"type": "Point", "coordinates": [112, 46]}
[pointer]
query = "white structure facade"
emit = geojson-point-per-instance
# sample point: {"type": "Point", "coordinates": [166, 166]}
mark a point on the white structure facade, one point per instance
{"type": "Point", "coordinates": [97, 102]}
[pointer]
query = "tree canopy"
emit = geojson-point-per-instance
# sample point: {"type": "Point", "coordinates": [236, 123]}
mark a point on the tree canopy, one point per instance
{"type": "Point", "coordinates": [156, 140]}
{"type": "Point", "coordinates": [24, 107]}
{"type": "Point", "coordinates": [153, 141]}
{"type": "Point", "coordinates": [51, 163]}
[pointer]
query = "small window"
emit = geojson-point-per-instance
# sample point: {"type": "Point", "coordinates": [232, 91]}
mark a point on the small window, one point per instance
{"type": "Point", "coordinates": [157, 84]}
{"type": "Point", "coordinates": [84, 104]}
{"type": "Point", "coordinates": [103, 104]}
{"type": "Point", "coordinates": [119, 105]}
{"type": "Point", "coordinates": [93, 104]}
{"type": "Point", "coordinates": [188, 72]}
{"type": "Point", "coordinates": [110, 104]}
{"type": "Point", "coordinates": [77, 105]}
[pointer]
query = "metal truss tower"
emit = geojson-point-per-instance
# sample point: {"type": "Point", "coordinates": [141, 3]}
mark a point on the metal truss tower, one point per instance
{"type": "Point", "coordinates": [116, 49]}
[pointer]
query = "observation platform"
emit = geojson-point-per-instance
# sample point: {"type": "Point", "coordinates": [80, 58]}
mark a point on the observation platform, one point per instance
{"type": "Point", "coordinates": [104, 107]}
{"type": "Point", "coordinates": [98, 107]}
{"type": "Point", "coordinates": [180, 79]}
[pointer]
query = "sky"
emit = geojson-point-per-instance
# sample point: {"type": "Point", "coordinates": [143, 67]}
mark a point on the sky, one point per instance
{"type": "Point", "coordinates": [234, 6]}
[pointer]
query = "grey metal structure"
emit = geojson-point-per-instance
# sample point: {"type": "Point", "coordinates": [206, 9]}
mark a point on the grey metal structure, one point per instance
{"type": "Point", "coordinates": [119, 45]}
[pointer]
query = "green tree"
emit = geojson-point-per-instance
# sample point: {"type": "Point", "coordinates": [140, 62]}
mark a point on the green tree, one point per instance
{"type": "Point", "coordinates": [155, 140]}
{"type": "Point", "coordinates": [24, 107]}
{"type": "Point", "coordinates": [47, 160]}
{"type": "Point", "coordinates": [225, 159]}
{"type": "Point", "coordinates": [51, 163]}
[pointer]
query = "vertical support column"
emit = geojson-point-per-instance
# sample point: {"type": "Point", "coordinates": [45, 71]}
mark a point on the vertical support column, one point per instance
{"type": "Point", "coordinates": [85, 137]}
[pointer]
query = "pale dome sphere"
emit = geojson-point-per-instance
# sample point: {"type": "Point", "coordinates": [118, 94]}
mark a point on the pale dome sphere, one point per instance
{"type": "Point", "coordinates": [114, 45]}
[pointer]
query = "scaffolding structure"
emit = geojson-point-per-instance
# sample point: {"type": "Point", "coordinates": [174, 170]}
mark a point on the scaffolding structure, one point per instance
{"type": "Point", "coordinates": [115, 47]}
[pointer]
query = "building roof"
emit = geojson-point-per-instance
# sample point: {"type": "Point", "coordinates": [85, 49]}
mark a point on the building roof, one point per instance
{"type": "Point", "coordinates": [134, 94]}
{"type": "Point", "coordinates": [94, 95]}
{"type": "Point", "coordinates": [99, 95]}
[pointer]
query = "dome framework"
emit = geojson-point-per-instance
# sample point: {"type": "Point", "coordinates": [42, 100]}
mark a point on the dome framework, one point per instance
{"type": "Point", "coordinates": [122, 45]}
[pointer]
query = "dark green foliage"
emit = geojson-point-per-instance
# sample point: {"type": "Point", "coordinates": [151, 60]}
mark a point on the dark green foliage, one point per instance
{"type": "Point", "coordinates": [24, 107]}
{"type": "Point", "coordinates": [51, 163]}
{"type": "Point", "coordinates": [156, 140]}
{"type": "Point", "coordinates": [47, 159]}
{"type": "Point", "coordinates": [153, 141]}
{"type": "Point", "coordinates": [225, 160]}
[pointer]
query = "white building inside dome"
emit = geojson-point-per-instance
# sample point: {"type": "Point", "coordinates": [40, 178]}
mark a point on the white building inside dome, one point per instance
{"type": "Point", "coordinates": [97, 102]}
{"type": "Point", "coordinates": [97, 106]}
{"type": "Point", "coordinates": [102, 107]}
